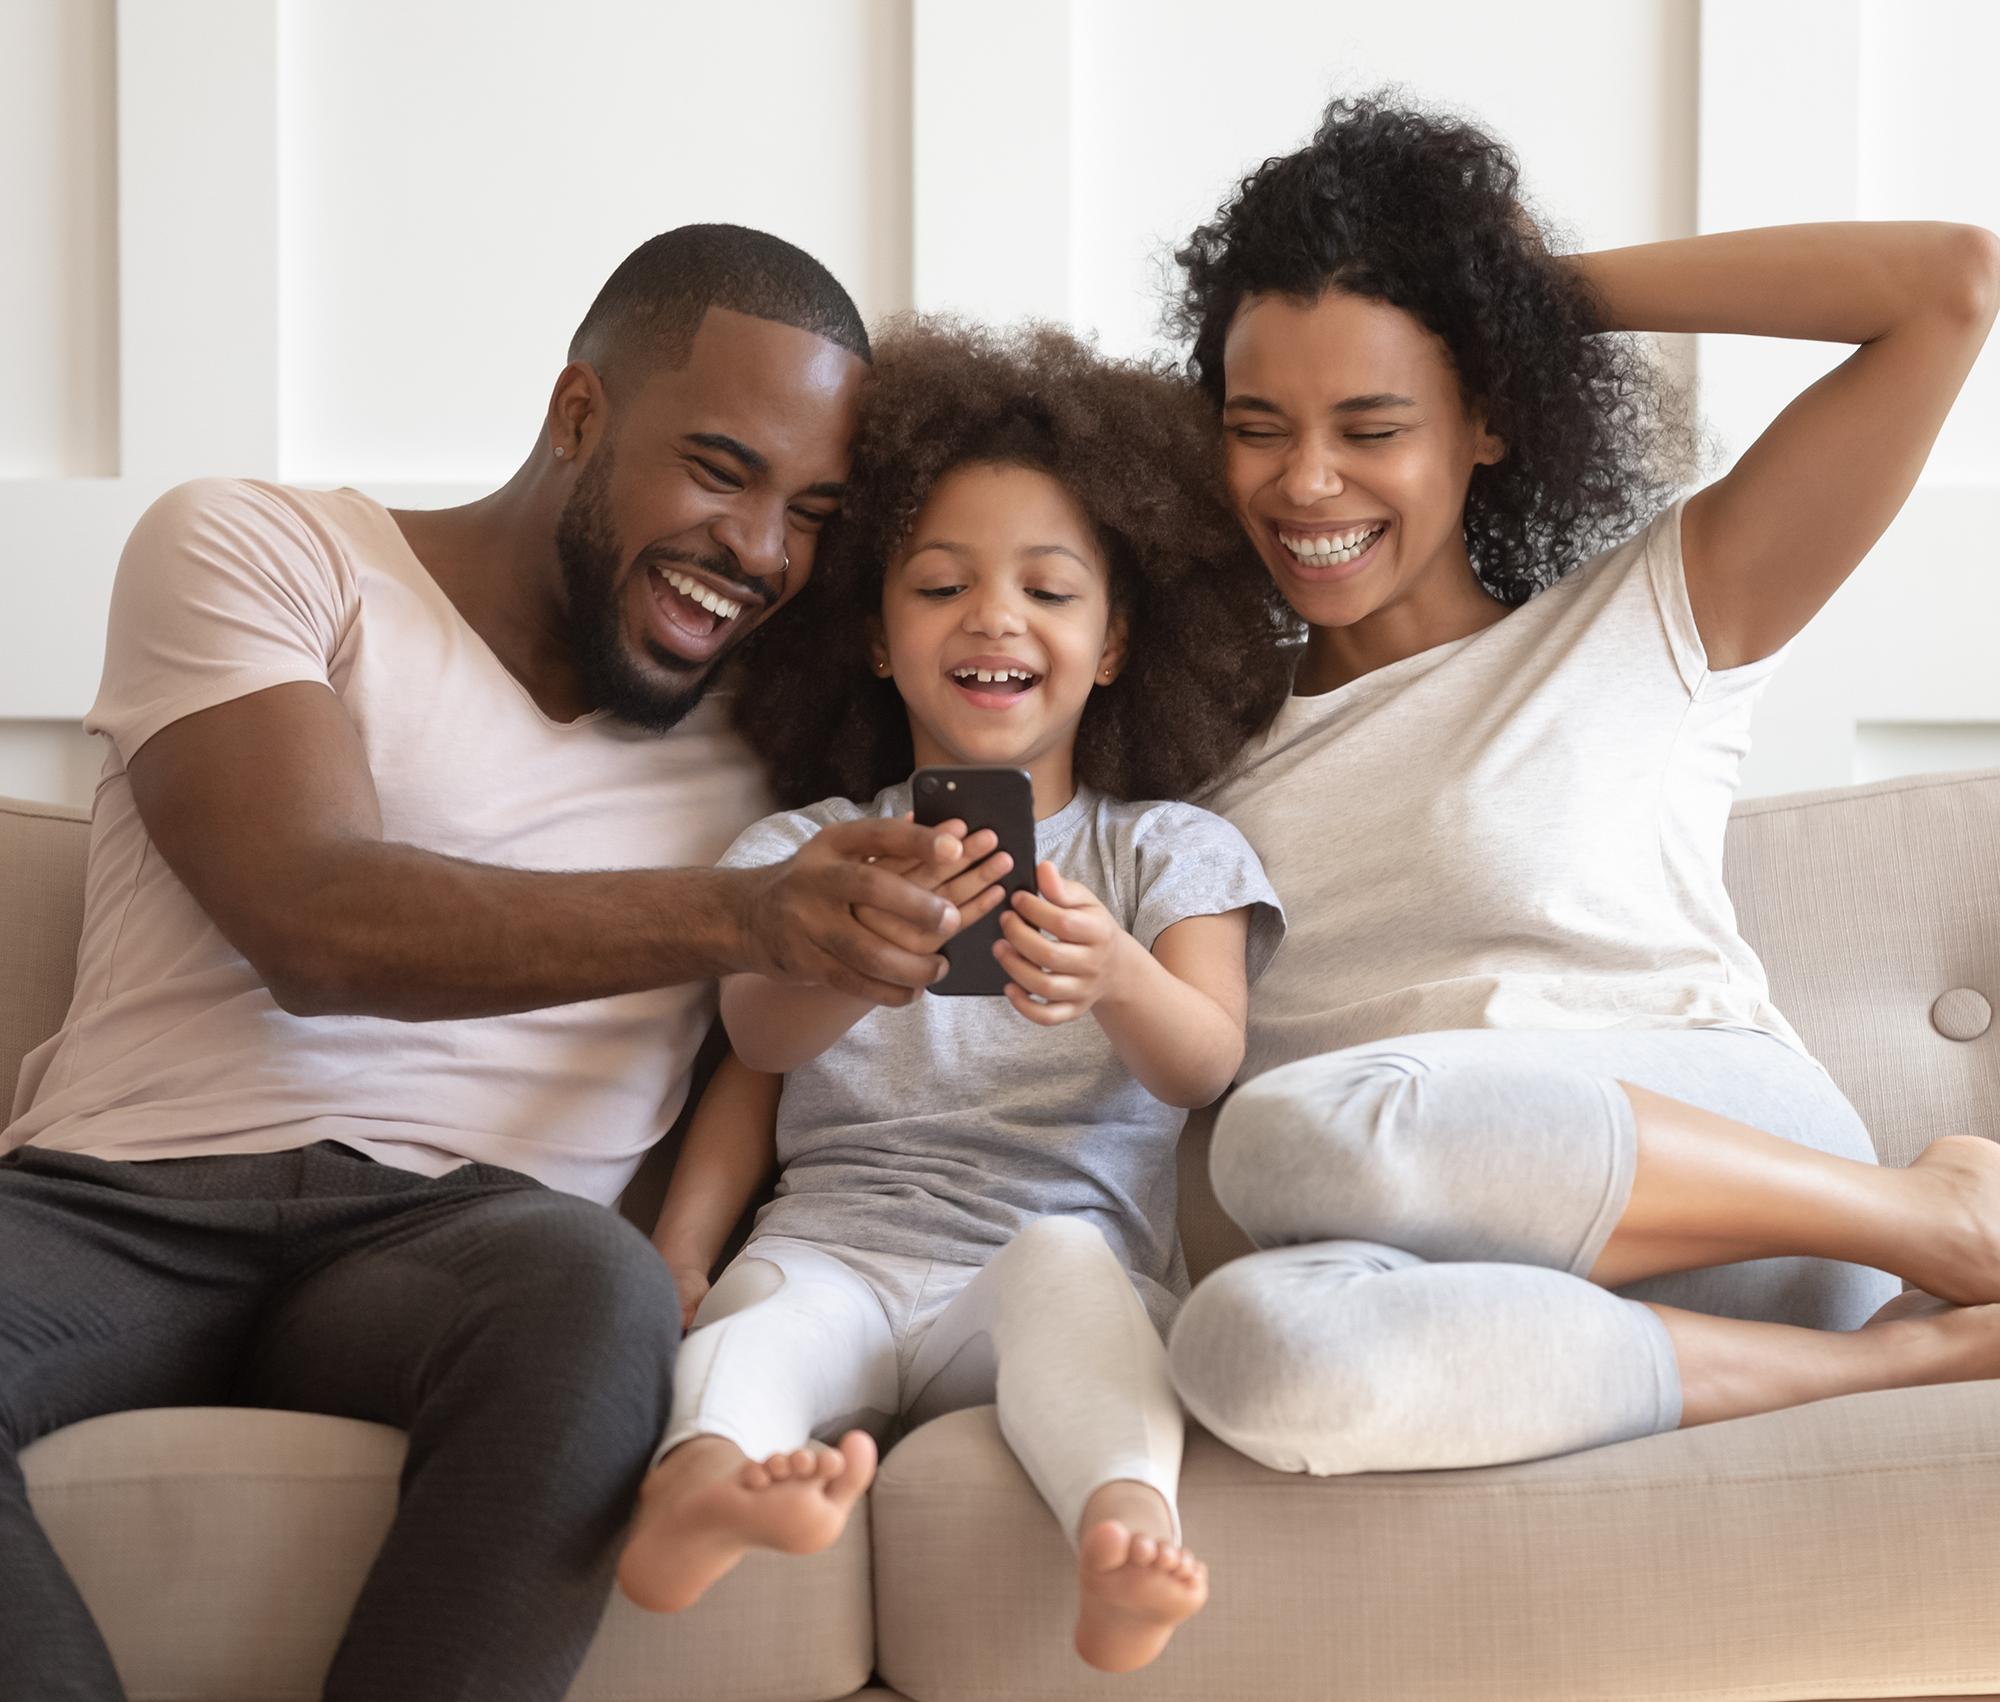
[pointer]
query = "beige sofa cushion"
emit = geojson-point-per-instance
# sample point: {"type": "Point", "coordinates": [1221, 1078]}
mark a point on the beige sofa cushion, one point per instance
{"type": "Point", "coordinates": [1868, 905]}
{"type": "Point", "coordinates": [1838, 1550]}
{"type": "Point", "coordinates": [221, 1550]}
{"type": "Point", "coordinates": [42, 849]}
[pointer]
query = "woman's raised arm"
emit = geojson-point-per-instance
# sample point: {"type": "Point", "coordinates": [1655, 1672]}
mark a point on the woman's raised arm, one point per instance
{"type": "Point", "coordinates": [1766, 545]}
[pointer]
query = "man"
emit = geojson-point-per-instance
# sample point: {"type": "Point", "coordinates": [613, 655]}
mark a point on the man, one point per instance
{"type": "Point", "coordinates": [400, 937]}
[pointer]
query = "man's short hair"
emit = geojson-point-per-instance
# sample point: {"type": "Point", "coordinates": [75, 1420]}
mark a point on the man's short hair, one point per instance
{"type": "Point", "coordinates": [650, 308]}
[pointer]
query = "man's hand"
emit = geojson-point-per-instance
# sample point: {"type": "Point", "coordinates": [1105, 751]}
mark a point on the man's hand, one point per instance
{"type": "Point", "coordinates": [1084, 963]}
{"type": "Point", "coordinates": [968, 882]}
{"type": "Point", "coordinates": [801, 924]}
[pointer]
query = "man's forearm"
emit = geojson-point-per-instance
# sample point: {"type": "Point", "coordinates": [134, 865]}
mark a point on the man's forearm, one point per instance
{"type": "Point", "coordinates": [393, 931]}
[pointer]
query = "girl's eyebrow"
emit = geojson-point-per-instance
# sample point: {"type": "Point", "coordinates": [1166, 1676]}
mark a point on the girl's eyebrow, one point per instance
{"type": "Point", "coordinates": [1055, 550]}
{"type": "Point", "coordinates": [965, 551]}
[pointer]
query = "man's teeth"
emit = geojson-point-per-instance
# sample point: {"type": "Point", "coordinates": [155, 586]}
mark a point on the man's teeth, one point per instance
{"type": "Point", "coordinates": [991, 676]}
{"type": "Point", "coordinates": [696, 592]}
{"type": "Point", "coordinates": [1331, 546]}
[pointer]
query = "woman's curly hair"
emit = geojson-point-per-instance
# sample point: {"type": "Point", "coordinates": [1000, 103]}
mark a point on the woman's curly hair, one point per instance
{"type": "Point", "coordinates": [1135, 447]}
{"type": "Point", "coordinates": [1424, 211]}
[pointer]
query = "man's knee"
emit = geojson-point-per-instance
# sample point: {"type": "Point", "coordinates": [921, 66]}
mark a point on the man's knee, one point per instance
{"type": "Point", "coordinates": [572, 1282]}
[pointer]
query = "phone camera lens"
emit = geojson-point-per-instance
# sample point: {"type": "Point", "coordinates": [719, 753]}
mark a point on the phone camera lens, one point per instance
{"type": "Point", "coordinates": [927, 784]}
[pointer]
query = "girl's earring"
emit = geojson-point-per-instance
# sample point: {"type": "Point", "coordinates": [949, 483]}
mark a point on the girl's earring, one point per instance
{"type": "Point", "coordinates": [559, 452]}
{"type": "Point", "coordinates": [882, 668]}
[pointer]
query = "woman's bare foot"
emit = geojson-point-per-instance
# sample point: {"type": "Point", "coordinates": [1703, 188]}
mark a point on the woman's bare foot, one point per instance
{"type": "Point", "coordinates": [1135, 1591]}
{"type": "Point", "coordinates": [1959, 1252]}
{"type": "Point", "coordinates": [705, 1505]}
{"type": "Point", "coordinates": [1935, 1341]}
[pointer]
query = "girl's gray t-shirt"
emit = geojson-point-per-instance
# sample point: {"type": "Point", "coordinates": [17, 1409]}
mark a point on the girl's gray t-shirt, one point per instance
{"type": "Point", "coordinates": [942, 1128]}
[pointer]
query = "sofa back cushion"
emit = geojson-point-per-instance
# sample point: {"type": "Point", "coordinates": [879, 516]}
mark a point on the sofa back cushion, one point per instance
{"type": "Point", "coordinates": [1876, 910]}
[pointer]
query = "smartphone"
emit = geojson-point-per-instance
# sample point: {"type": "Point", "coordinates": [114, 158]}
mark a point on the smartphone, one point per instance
{"type": "Point", "coordinates": [1004, 800]}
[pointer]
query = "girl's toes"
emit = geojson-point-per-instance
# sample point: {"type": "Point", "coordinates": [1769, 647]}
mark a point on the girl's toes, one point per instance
{"type": "Point", "coordinates": [1105, 1546]}
{"type": "Point", "coordinates": [804, 1462]}
{"type": "Point", "coordinates": [780, 1467]}
{"type": "Point", "coordinates": [754, 1476]}
{"type": "Point", "coordinates": [1144, 1551]}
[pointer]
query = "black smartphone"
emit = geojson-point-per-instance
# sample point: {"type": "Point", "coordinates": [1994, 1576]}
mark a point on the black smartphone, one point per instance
{"type": "Point", "coordinates": [1004, 800]}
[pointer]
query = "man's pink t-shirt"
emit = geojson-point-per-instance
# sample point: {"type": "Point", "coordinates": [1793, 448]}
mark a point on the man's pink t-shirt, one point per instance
{"type": "Point", "coordinates": [174, 1047]}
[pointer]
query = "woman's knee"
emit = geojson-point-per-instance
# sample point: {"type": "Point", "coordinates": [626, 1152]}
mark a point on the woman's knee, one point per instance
{"type": "Point", "coordinates": [1257, 1357]}
{"type": "Point", "coordinates": [1299, 1152]}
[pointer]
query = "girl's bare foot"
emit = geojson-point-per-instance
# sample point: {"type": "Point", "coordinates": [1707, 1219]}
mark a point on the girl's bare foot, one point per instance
{"type": "Point", "coordinates": [705, 1505]}
{"type": "Point", "coordinates": [1135, 1590]}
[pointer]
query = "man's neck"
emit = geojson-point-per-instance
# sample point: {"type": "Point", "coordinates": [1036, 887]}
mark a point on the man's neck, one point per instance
{"type": "Point", "coordinates": [494, 559]}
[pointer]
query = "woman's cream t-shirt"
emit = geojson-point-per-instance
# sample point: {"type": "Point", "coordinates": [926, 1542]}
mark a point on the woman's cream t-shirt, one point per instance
{"type": "Point", "coordinates": [1519, 829]}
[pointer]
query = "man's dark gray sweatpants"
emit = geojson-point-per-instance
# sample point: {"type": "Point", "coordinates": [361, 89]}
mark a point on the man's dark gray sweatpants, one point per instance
{"type": "Point", "coordinates": [524, 1338]}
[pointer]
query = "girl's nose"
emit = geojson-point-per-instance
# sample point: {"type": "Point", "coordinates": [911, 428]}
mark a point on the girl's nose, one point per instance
{"type": "Point", "coordinates": [992, 614]}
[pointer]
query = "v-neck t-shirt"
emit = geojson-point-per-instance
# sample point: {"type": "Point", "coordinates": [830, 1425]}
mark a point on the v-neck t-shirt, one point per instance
{"type": "Point", "coordinates": [174, 1047]}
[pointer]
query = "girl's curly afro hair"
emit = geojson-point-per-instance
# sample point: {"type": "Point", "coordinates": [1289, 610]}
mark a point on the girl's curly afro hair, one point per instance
{"type": "Point", "coordinates": [1135, 447]}
{"type": "Point", "coordinates": [1423, 211]}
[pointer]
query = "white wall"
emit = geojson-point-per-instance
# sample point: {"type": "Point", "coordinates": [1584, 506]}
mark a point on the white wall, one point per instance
{"type": "Point", "coordinates": [347, 240]}
{"type": "Point", "coordinates": [455, 183]}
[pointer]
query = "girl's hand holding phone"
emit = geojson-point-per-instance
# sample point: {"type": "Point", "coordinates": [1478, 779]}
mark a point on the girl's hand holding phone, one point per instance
{"type": "Point", "coordinates": [1078, 968]}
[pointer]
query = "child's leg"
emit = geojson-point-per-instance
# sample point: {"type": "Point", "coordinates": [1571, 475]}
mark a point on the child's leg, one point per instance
{"type": "Point", "coordinates": [790, 1344]}
{"type": "Point", "coordinates": [1053, 1330]}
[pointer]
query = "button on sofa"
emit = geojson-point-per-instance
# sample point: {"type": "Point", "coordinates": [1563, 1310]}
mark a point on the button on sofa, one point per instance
{"type": "Point", "coordinates": [1842, 1550]}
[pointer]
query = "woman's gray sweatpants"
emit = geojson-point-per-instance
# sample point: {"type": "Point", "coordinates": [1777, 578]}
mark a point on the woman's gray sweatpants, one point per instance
{"type": "Point", "coordinates": [1430, 1205]}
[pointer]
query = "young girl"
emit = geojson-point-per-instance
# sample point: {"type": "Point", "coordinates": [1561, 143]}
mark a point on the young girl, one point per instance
{"type": "Point", "coordinates": [1537, 1163]}
{"type": "Point", "coordinates": [977, 1201]}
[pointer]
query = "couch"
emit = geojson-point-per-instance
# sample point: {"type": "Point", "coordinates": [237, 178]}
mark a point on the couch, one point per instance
{"type": "Point", "coordinates": [1841, 1550]}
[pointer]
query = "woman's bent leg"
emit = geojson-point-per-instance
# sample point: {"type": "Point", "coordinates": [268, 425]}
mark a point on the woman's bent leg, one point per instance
{"type": "Point", "coordinates": [1525, 1148]}
{"type": "Point", "coordinates": [1349, 1357]}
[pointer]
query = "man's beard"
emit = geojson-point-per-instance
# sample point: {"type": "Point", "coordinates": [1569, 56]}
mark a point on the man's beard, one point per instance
{"type": "Point", "coordinates": [587, 546]}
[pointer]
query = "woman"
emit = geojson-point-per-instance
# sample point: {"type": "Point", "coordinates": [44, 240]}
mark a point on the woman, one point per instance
{"type": "Point", "coordinates": [1536, 1164]}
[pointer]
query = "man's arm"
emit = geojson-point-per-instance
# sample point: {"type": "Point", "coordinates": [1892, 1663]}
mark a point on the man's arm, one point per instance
{"type": "Point", "coordinates": [265, 809]}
